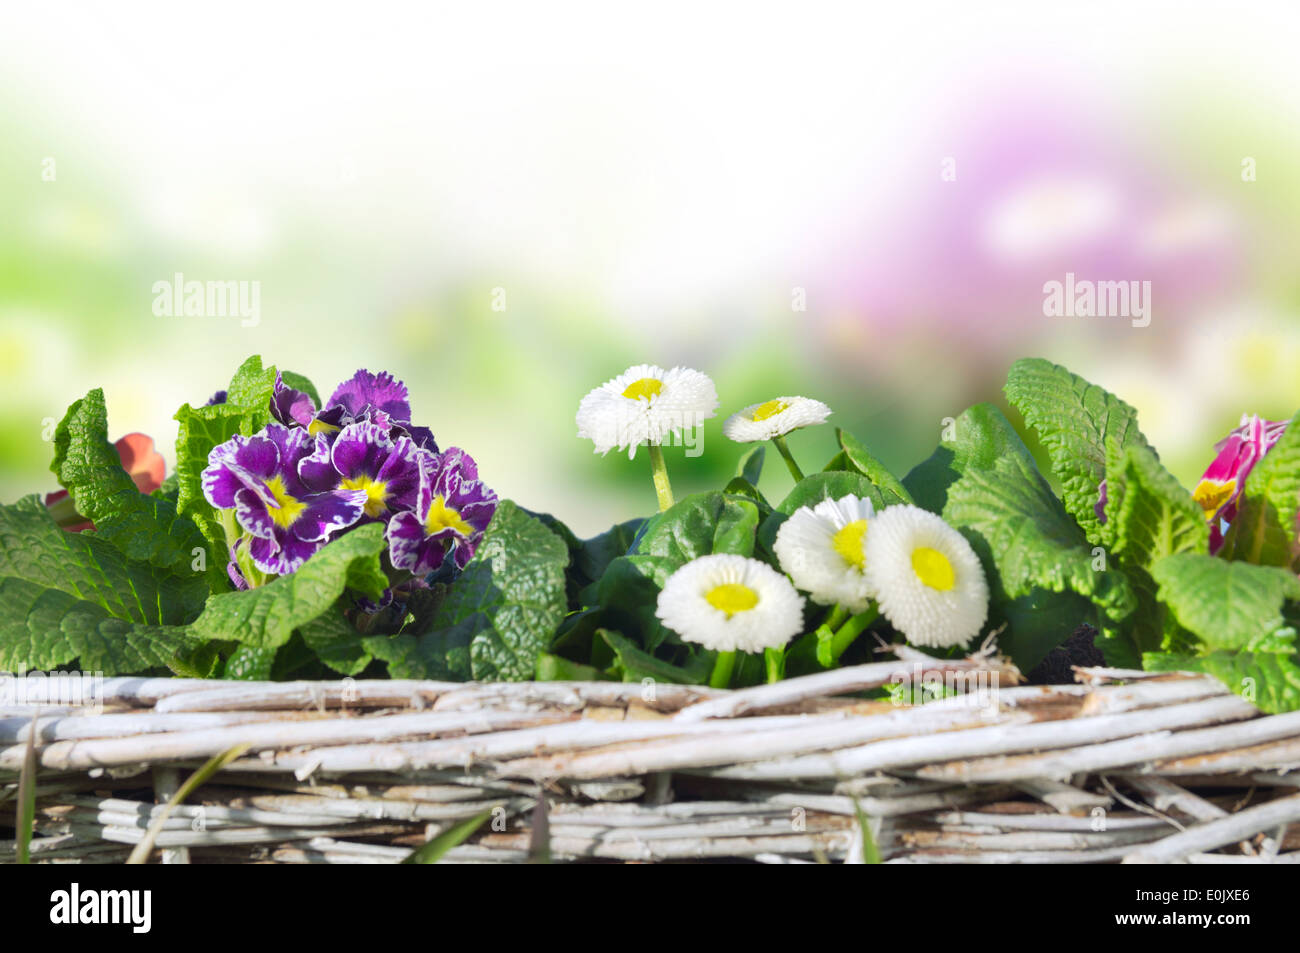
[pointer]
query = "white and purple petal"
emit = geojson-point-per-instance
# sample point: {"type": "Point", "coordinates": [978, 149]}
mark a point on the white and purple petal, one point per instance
{"type": "Point", "coordinates": [378, 391]}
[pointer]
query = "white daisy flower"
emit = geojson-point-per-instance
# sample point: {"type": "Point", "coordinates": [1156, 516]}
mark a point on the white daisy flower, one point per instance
{"type": "Point", "coordinates": [774, 418]}
{"type": "Point", "coordinates": [731, 604]}
{"type": "Point", "coordinates": [821, 549]}
{"type": "Point", "coordinates": [645, 404]}
{"type": "Point", "coordinates": [927, 579]}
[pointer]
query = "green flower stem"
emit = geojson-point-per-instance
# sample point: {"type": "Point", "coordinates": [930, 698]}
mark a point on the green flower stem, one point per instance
{"type": "Point", "coordinates": [775, 659]}
{"type": "Point", "coordinates": [837, 617]}
{"type": "Point", "coordinates": [789, 458]}
{"type": "Point", "coordinates": [832, 642]}
{"type": "Point", "coordinates": [660, 473]}
{"type": "Point", "coordinates": [722, 668]}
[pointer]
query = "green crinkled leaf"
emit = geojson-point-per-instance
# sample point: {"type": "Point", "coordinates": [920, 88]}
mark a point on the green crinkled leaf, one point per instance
{"type": "Point", "coordinates": [267, 616]}
{"type": "Point", "coordinates": [251, 387]}
{"type": "Point", "coordinates": [145, 527]}
{"type": "Point", "coordinates": [336, 642]}
{"type": "Point", "coordinates": [87, 465]}
{"type": "Point", "coordinates": [249, 663]}
{"type": "Point", "coordinates": [1148, 516]}
{"type": "Point", "coordinates": [246, 411]}
{"type": "Point", "coordinates": [1028, 542]}
{"type": "Point", "coordinates": [35, 549]}
{"type": "Point", "coordinates": [1228, 605]}
{"type": "Point", "coordinates": [498, 615]}
{"type": "Point", "coordinates": [1148, 513]}
{"type": "Point", "coordinates": [861, 459]}
{"type": "Point", "coordinates": [1269, 680]}
{"type": "Point", "coordinates": [1264, 531]}
{"type": "Point", "coordinates": [1074, 420]}
{"type": "Point", "coordinates": [975, 440]}
{"type": "Point", "coordinates": [44, 628]}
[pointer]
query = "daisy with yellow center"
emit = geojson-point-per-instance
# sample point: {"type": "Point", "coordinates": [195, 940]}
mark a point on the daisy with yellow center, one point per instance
{"type": "Point", "coordinates": [730, 604]}
{"type": "Point", "coordinates": [927, 579]}
{"type": "Point", "coordinates": [772, 420]}
{"type": "Point", "coordinates": [648, 405]}
{"type": "Point", "coordinates": [822, 548]}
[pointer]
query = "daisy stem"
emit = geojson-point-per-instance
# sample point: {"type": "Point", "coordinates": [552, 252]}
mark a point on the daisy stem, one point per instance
{"type": "Point", "coordinates": [775, 659]}
{"type": "Point", "coordinates": [850, 630]}
{"type": "Point", "coordinates": [722, 668]}
{"type": "Point", "coordinates": [660, 473]}
{"type": "Point", "coordinates": [789, 458]}
{"type": "Point", "coordinates": [837, 617]}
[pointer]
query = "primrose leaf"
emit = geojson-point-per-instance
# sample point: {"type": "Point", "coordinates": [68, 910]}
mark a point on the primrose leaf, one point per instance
{"type": "Point", "coordinates": [267, 616]}
{"type": "Point", "coordinates": [1027, 543]}
{"type": "Point", "coordinates": [1264, 531]}
{"type": "Point", "coordinates": [1268, 680]}
{"type": "Point", "coordinates": [1227, 604]}
{"type": "Point", "coordinates": [250, 663]}
{"type": "Point", "coordinates": [252, 387]}
{"type": "Point", "coordinates": [498, 615]}
{"type": "Point", "coordinates": [145, 527]}
{"type": "Point", "coordinates": [976, 439]}
{"type": "Point", "coordinates": [43, 628]}
{"type": "Point", "coordinates": [246, 411]}
{"type": "Point", "coordinates": [337, 642]}
{"type": "Point", "coordinates": [68, 596]}
{"type": "Point", "coordinates": [1148, 516]}
{"type": "Point", "coordinates": [1074, 420]}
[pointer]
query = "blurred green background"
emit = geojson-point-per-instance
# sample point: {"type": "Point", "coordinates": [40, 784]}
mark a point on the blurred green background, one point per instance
{"type": "Point", "coordinates": [861, 211]}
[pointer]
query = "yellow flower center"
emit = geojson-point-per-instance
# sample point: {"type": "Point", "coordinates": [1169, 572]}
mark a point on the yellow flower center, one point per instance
{"type": "Point", "coordinates": [646, 388]}
{"type": "Point", "coordinates": [933, 569]}
{"type": "Point", "coordinates": [732, 597]}
{"type": "Point", "coordinates": [848, 543]}
{"type": "Point", "coordinates": [287, 508]}
{"type": "Point", "coordinates": [770, 409]}
{"type": "Point", "coordinates": [1212, 495]}
{"type": "Point", "coordinates": [442, 516]}
{"type": "Point", "coordinates": [375, 490]}
{"type": "Point", "coordinates": [319, 427]}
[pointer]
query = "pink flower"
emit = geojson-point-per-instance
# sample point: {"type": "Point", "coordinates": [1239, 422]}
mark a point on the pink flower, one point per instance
{"type": "Point", "coordinates": [1220, 487]}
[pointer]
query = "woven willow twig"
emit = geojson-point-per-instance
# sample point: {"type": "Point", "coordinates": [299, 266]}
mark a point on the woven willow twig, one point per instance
{"type": "Point", "coordinates": [1123, 766]}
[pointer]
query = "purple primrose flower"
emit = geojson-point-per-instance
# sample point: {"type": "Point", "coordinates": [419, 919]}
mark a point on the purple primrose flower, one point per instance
{"type": "Point", "coordinates": [452, 510]}
{"type": "Point", "coordinates": [258, 477]}
{"type": "Point", "coordinates": [365, 457]}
